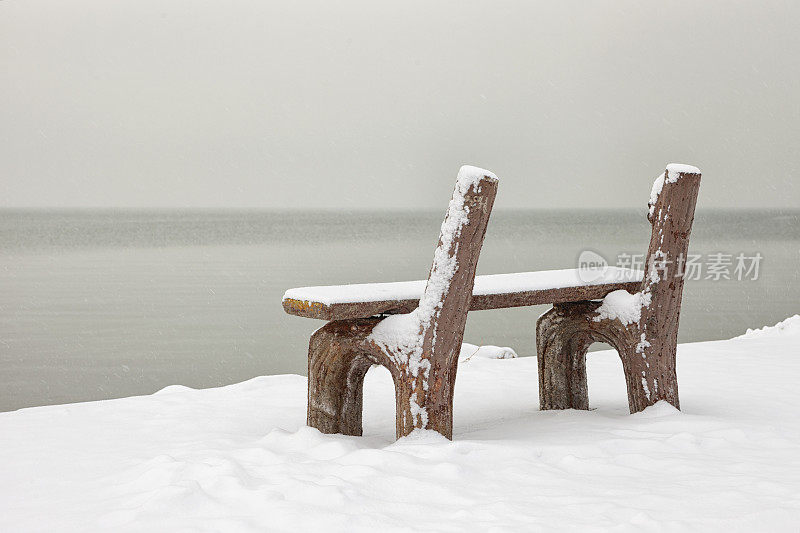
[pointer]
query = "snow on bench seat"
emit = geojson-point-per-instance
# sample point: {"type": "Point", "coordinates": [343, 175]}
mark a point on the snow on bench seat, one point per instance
{"type": "Point", "coordinates": [494, 291]}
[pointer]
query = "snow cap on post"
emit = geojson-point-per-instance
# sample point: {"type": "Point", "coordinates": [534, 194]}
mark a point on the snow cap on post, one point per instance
{"type": "Point", "coordinates": [672, 174]}
{"type": "Point", "coordinates": [469, 175]}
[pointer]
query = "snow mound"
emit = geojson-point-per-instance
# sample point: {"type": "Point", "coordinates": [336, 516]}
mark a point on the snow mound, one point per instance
{"type": "Point", "coordinates": [790, 326]}
{"type": "Point", "coordinates": [399, 336]}
{"type": "Point", "coordinates": [659, 410]}
{"type": "Point", "coordinates": [172, 389]}
{"type": "Point", "coordinates": [622, 305]}
{"type": "Point", "coordinates": [426, 437]}
{"type": "Point", "coordinates": [468, 351]}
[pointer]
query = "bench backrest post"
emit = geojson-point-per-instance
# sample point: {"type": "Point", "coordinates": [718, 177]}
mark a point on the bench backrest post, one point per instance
{"type": "Point", "coordinates": [672, 205]}
{"type": "Point", "coordinates": [448, 293]}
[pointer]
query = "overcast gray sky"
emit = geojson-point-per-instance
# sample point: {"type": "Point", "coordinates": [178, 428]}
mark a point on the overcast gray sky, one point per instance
{"type": "Point", "coordinates": [370, 104]}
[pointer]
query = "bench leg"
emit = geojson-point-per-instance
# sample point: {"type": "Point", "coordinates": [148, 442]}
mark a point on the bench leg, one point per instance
{"type": "Point", "coordinates": [339, 357]}
{"type": "Point", "coordinates": [563, 336]}
{"type": "Point", "coordinates": [651, 379]}
{"type": "Point", "coordinates": [336, 373]}
{"type": "Point", "coordinates": [425, 402]}
{"type": "Point", "coordinates": [561, 350]}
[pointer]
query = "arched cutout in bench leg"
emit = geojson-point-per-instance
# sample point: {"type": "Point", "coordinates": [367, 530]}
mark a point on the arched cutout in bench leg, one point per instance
{"type": "Point", "coordinates": [336, 370]}
{"type": "Point", "coordinates": [563, 337]}
{"type": "Point", "coordinates": [339, 357]}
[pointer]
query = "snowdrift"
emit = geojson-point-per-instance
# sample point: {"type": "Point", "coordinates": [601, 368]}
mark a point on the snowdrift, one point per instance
{"type": "Point", "coordinates": [240, 458]}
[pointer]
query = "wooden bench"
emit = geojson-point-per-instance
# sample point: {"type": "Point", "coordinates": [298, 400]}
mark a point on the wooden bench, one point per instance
{"type": "Point", "coordinates": [378, 323]}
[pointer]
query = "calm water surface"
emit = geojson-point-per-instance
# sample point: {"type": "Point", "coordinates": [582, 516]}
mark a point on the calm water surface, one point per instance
{"type": "Point", "coordinates": [104, 304]}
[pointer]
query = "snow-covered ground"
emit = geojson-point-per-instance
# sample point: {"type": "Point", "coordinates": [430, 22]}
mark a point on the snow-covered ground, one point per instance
{"type": "Point", "coordinates": [240, 458]}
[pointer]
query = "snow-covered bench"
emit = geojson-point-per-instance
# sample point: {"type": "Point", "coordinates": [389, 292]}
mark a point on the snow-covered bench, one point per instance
{"type": "Point", "coordinates": [493, 291]}
{"type": "Point", "coordinates": [420, 338]}
{"type": "Point", "coordinates": [416, 328]}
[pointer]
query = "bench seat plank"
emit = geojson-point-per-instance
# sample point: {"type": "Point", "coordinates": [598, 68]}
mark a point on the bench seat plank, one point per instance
{"type": "Point", "coordinates": [493, 291]}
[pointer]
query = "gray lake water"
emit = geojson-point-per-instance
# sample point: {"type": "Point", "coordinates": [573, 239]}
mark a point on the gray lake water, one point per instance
{"type": "Point", "coordinates": [104, 304]}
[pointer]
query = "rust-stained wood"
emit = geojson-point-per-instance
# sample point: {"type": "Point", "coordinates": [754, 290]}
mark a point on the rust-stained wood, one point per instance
{"type": "Point", "coordinates": [341, 352]}
{"type": "Point", "coordinates": [480, 302]}
{"type": "Point", "coordinates": [647, 347]}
